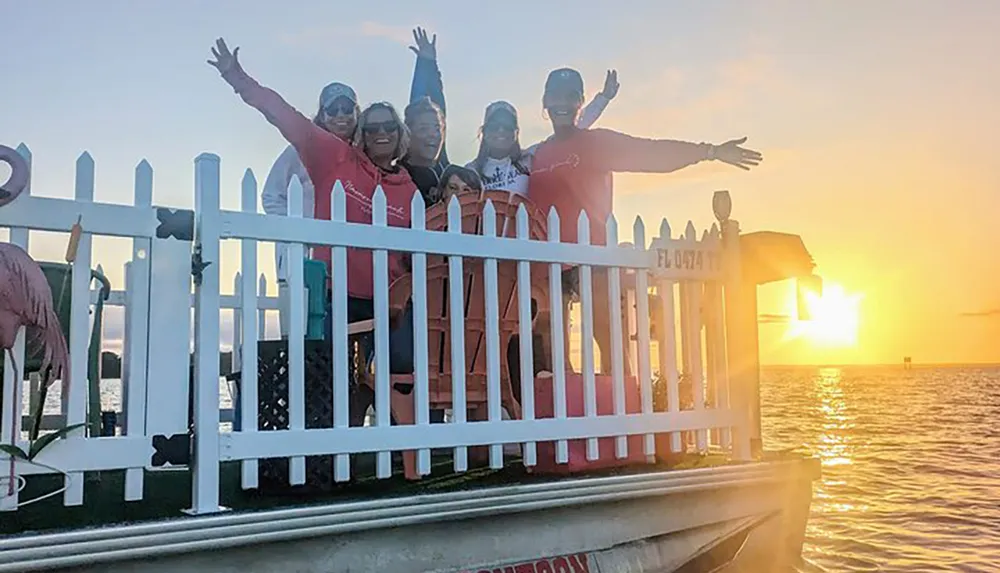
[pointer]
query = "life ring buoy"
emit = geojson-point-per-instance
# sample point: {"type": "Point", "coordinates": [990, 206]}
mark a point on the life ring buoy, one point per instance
{"type": "Point", "coordinates": [18, 179]}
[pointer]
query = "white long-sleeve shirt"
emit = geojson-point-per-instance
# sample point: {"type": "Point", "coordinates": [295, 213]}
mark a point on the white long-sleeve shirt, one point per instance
{"type": "Point", "coordinates": [274, 197]}
{"type": "Point", "coordinates": [503, 174]}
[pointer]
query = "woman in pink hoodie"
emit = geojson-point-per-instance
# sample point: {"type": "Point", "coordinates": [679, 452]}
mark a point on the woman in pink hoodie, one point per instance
{"type": "Point", "coordinates": [380, 141]}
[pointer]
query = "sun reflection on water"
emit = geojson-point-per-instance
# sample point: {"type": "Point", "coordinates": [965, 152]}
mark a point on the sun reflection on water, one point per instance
{"type": "Point", "coordinates": [834, 447]}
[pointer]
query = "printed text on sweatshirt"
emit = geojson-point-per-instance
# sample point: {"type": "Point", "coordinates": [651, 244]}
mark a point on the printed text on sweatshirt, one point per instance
{"type": "Point", "coordinates": [327, 159]}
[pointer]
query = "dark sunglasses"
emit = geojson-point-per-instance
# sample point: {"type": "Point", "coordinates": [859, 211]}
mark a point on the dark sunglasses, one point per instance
{"type": "Point", "coordinates": [498, 125]}
{"type": "Point", "coordinates": [383, 126]}
{"type": "Point", "coordinates": [336, 109]}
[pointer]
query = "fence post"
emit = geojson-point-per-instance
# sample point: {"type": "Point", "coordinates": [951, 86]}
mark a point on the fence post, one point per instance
{"type": "Point", "coordinates": [205, 268]}
{"type": "Point", "coordinates": [737, 338]}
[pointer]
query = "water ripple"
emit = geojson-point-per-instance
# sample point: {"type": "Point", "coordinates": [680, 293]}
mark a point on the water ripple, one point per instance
{"type": "Point", "coordinates": [909, 463]}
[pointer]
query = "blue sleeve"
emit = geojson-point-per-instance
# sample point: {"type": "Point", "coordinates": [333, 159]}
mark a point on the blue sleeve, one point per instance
{"type": "Point", "coordinates": [427, 82]}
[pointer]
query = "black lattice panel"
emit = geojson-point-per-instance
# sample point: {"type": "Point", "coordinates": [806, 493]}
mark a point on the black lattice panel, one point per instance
{"type": "Point", "coordinates": [272, 392]}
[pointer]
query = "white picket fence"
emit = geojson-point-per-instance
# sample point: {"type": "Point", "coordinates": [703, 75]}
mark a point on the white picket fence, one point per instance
{"type": "Point", "coordinates": [696, 280]}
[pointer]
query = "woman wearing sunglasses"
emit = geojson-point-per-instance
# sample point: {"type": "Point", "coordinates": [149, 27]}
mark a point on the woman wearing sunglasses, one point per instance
{"type": "Point", "coordinates": [501, 163]}
{"type": "Point", "coordinates": [380, 141]}
{"type": "Point", "coordinates": [337, 114]}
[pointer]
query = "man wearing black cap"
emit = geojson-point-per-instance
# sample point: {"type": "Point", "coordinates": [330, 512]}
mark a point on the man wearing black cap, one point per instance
{"type": "Point", "coordinates": [572, 172]}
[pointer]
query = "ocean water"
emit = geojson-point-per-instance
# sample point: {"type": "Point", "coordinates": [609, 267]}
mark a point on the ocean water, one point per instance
{"type": "Point", "coordinates": [910, 462]}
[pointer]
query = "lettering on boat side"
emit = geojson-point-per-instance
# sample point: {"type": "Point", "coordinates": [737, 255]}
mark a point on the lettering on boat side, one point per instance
{"type": "Point", "coordinates": [177, 223]}
{"type": "Point", "coordinates": [578, 563]}
{"type": "Point", "coordinates": [688, 260]}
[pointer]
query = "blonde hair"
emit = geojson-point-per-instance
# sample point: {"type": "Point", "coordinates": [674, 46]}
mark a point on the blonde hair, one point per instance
{"type": "Point", "coordinates": [404, 132]}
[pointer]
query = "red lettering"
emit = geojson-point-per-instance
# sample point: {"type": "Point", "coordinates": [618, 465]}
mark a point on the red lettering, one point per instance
{"type": "Point", "coordinates": [525, 568]}
{"type": "Point", "coordinates": [543, 567]}
{"type": "Point", "coordinates": [560, 565]}
{"type": "Point", "coordinates": [579, 562]}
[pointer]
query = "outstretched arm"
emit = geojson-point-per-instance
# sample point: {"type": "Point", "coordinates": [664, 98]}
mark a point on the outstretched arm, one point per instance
{"type": "Point", "coordinates": [592, 112]}
{"type": "Point", "coordinates": [625, 153]}
{"type": "Point", "coordinates": [427, 76]}
{"type": "Point", "coordinates": [316, 146]}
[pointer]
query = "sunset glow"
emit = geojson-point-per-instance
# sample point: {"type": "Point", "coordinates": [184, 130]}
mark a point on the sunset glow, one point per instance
{"type": "Point", "coordinates": [834, 321]}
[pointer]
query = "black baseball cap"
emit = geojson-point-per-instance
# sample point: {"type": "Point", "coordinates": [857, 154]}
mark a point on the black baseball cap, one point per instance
{"type": "Point", "coordinates": [564, 79]}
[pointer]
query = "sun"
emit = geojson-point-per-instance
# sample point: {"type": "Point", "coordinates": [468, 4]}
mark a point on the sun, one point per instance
{"type": "Point", "coordinates": [834, 319]}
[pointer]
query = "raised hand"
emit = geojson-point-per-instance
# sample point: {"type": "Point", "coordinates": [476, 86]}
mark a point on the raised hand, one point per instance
{"type": "Point", "coordinates": [611, 85]}
{"type": "Point", "coordinates": [225, 61]}
{"type": "Point", "coordinates": [730, 152]}
{"type": "Point", "coordinates": [424, 48]}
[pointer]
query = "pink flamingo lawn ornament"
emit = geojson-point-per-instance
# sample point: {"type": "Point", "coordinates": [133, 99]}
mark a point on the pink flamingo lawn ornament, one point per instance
{"type": "Point", "coordinates": [18, 179]}
{"type": "Point", "coordinates": [25, 296]}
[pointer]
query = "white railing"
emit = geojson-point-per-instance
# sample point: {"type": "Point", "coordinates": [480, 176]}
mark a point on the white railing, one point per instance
{"type": "Point", "coordinates": [149, 281]}
{"type": "Point", "coordinates": [695, 279]}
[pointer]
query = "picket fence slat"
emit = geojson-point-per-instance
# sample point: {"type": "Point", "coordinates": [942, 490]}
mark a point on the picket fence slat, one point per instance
{"type": "Point", "coordinates": [339, 334]}
{"type": "Point", "coordinates": [135, 355]}
{"type": "Point", "coordinates": [380, 268]}
{"type": "Point", "coordinates": [559, 332]}
{"type": "Point", "coordinates": [642, 355]}
{"type": "Point", "coordinates": [456, 314]}
{"type": "Point", "coordinates": [617, 342]}
{"type": "Point", "coordinates": [587, 335]}
{"type": "Point", "coordinates": [296, 333]}
{"type": "Point", "coordinates": [75, 399]}
{"type": "Point", "coordinates": [530, 454]}
{"type": "Point", "coordinates": [246, 290]}
{"type": "Point", "coordinates": [492, 307]}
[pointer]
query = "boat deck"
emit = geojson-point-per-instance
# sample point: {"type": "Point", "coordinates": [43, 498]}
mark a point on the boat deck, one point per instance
{"type": "Point", "coordinates": [168, 492]}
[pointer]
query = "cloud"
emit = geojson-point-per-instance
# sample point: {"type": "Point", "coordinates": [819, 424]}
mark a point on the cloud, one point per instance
{"type": "Point", "coordinates": [325, 36]}
{"type": "Point", "coordinates": [981, 313]}
{"type": "Point", "coordinates": [399, 34]}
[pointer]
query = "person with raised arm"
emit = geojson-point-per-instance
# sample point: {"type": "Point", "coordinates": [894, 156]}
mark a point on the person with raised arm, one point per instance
{"type": "Point", "coordinates": [572, 172]}
{"type": "Point", "coordinates": [425, 116]}
{"type": "Point", "coordinates": [338, 113]}
{"type": "Point", "coordinates": [380, 141]}
{"type": "Point", "coordinates": [500, 162]}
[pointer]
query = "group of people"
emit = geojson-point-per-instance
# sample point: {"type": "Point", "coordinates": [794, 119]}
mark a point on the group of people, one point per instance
{"type": "Point", "coordinates": [364, 148]}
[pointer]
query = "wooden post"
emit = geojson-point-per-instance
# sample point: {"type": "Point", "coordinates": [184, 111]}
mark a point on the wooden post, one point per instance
{"type": "Point", "coordinates": [741, 326]}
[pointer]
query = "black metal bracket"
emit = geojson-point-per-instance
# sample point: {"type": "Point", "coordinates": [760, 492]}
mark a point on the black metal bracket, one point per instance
{"type": "Point", "coordinates": [174, 450]}
{"type": "Point", "coordinates": [177, 223]}
{"type": "Point", "coordinates": [197, 265]}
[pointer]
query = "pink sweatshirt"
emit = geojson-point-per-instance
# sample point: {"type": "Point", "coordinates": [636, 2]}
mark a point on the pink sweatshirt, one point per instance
{"type": "Point", "coordinates": [574, 173]}
{"type": "Point", "coordinates": [327, 158]}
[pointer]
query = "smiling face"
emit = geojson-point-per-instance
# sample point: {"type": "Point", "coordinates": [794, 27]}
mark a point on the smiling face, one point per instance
{"type": "Point", "coordinates": [500, 134]}
{"type": "Point", "coordinates": [426, 137]}
{"type": "Point", "coordinates": [340, 118]}
{"type": "Point", "coordinates": [563, 106]}
{"type": "Point", "coordinates": [381, 135]}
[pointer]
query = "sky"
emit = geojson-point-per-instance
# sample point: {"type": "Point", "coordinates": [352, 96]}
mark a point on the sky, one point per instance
{"type": "Point", "coordinates": [877, 121]}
